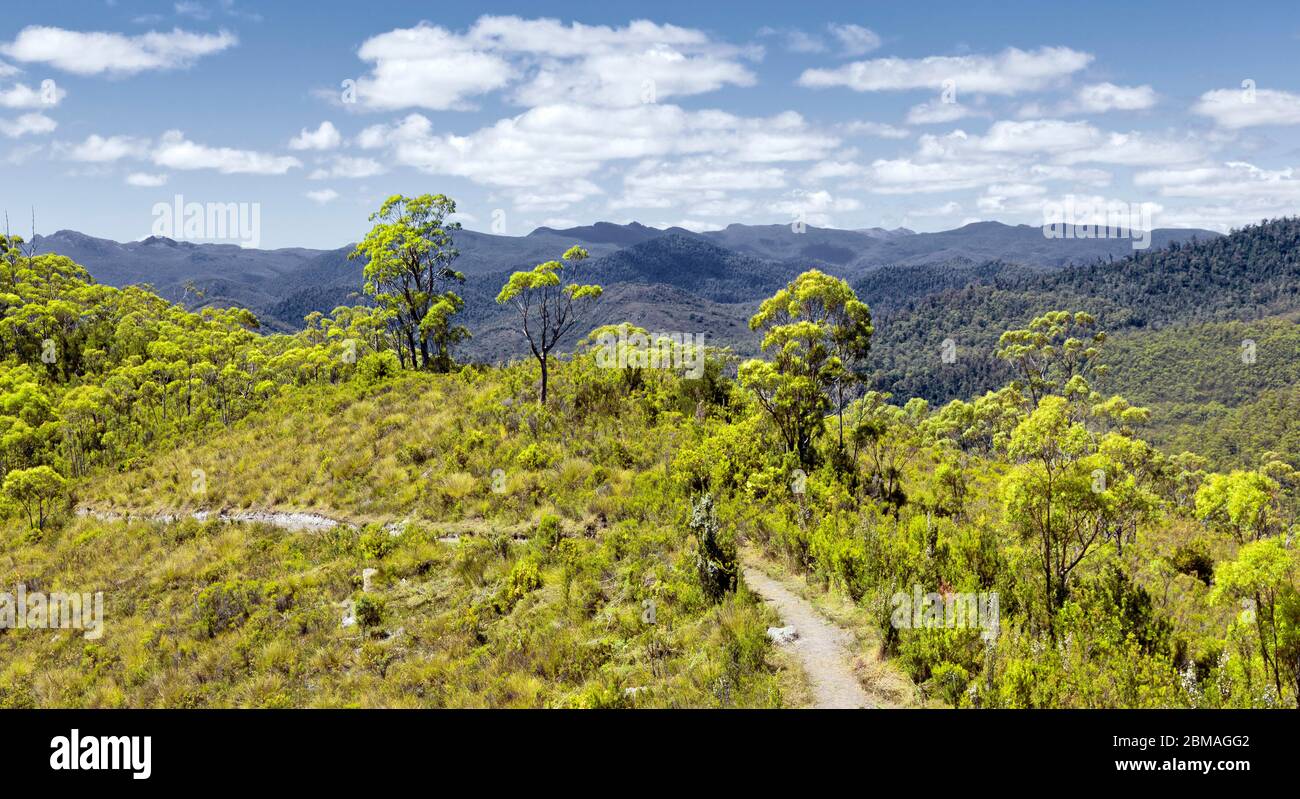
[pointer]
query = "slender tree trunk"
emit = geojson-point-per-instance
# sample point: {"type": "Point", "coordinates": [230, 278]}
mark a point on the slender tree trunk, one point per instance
{"type": "Point", "coordinates": [545, 376]}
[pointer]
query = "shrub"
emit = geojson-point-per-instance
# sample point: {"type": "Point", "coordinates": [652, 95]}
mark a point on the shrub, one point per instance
{"type": "Point", "coordinates": [377, 367]}
{"type": "Point", "coordinates": [548, 530]}
{"type": "Point", "coordinates": [227, 605]}
{"type": "Point", "coordinates": [369, 612]}
{"type": "Point", "coordinates": [375, 543]}
{"type": "Point", "coordinates": [535, 456]}
{"type": "Point", "coordinates": [524, 578]}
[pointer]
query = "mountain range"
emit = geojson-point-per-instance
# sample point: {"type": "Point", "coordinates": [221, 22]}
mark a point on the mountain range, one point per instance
{"type": "Point", "coordinates": [671, 279]}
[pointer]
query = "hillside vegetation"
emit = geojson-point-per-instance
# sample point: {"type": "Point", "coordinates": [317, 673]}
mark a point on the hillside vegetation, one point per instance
{"type": "Point", "coordinates": [566, 530]}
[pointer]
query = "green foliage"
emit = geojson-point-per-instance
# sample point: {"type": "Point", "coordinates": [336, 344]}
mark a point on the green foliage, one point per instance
{"type": "Point", "coordinates": [550, 302]}
{"type": "Point", "coordinates": [546, 557]}
{"type": "Point", "coordinates": [375, 367]}
{"type": "Point", "coordinates": [818, 334]}
{"type": "Point", "coordinates": [37, 489]}
{"type": "Point", "coordinates": [409, 255]}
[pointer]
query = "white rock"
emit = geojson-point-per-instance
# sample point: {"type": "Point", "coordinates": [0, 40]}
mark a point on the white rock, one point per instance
{"type": "Point", "coordinates": [782, 635]}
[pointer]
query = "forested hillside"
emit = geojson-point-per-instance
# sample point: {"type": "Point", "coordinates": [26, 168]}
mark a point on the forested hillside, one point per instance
{"type": "Point", "coordinates": [358, 514]}
{"type": "Point", "coordinates": [1252, 274]}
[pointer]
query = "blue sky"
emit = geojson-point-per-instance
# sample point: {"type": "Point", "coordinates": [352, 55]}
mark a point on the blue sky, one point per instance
{"type": "Point", "coordinates": [922, 114]}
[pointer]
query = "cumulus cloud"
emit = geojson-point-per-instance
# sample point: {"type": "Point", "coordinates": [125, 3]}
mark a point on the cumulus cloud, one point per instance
{"type": "Point", "coordinates": [663, 183]}
{"type": "Point", "coordinates": [98, 149]}
{"type": "Point", "coordinates": [908, 176]}
{"type": "Point", "coordinates": [322, 196]}
{"type": "Point", "coordinates": [1065, 142]}
{"type": "Point", "coordinates": [1010, 72]}
{"type": "Point", "coordinates": [933, 113]}
{"type": "Point", "coordinates": [813, 207]}
{"type": "Point", "coordinates": [551, 148]}
{"type": "Point", "coordinates": [146, 180]}
{"type": "Point", "coordinates": [28, 124]}
{"type": "Point", "coordinates": [1244, 108]}
{"type": "Point", "coordinates": [94, 53]}
{"type": "Point", "coordinates": [1017, 153]}
{"type": "Point", "coordinates": [622, 79]}
{"type": "Point", "coordinates": [1098, 98]}
{"type": "Point", "coordinates": [545, 61]}
{"type": "Point", "coordinates": [855, 40]}
{"type": "Point", "coordinates": [20, 95]}
{"type": "Point", "coordinates": [427, 67]}
{"type": "Point", "coordinates": [325, 137]}
{"type": "Point", "coordinates": [1232, 180]}
{"type": "Point", "coordinates": [346, 166]}
{"type": "Point", "coordinates": [878, 129]}
{"type": "Point", "coordinates": [174, 151]}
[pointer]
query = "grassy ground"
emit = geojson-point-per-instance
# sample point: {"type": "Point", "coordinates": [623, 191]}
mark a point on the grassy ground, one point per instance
{"type": "Point", "coordinates": [572, 582]}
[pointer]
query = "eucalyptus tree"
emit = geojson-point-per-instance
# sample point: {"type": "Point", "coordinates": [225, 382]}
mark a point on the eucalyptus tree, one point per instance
{"type": "Point", "coordinates": [409, 272]}
{"type": "Point", "coordinates": [551, 303]}
{"type": "Point", "coordinates": [818, 334]}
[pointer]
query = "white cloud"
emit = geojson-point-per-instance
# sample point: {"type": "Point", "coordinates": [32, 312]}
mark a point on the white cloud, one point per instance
{"type": "Point", "coordinates": [1065, 142]}
{"type": "Point", "coordinates": [27, 124]}
{"type": "Point", "coordinates": [724, 207]}
{"type": "Point", "coordinates": [627, 78]}
{"type": "Point", "coordinates": [933, 113]}
{"type": "Point", "coordinates": [855, 40]}
{"type": "Point", "coordinates": [832, 170]}
{"type": "Point", "coordinates": [325, 137]}
{"type": "Point", "coordinates": [878, 129]}
{"type": "Point", "coordinates": [906, 176]}
{"type": "Point", "coordinates": [665, 183]}
{"type": "Point", "coordinates": [98, 149]}
{"type": "Point", "coordinates": [188, 8]}
{"type": "Point", "coordinates": [813, 207]}
{"type": "Point", "coordinates": [1010, 72]}
{"type": "Point", "coordinates": [146, 180]}
{"type": "Point", "coordinates": [20, 95]}
{"type": "Point", "coordinates": [693, 225]}
{"type": "Point", "coordinates": [546, 62]}
{"type": "Point", "coordinates": [344, 166]}
{"type": "Point", "coordinates": [1233, 180]}
{"type": "Point", "coordinates": [797, 41]}
{"type": "Point", "coordinates": [322, 196]}
{"type": "Point", "coordinates": [93, 53]}
{"type": "Point", "coordinates": [794, 40]}
{"type": "Point", "coordinates": [174, 151]}
{"type": "Point", "coordinates": [549, 148]}
{"type": "Point", "coordinates": [426, 67]}
{"type": "Point", "coordinates": [1243, 108]}
{"type": "Point", "coordinates": [946, 210]}
{"type": "Point", "coordinates": [559, 222]}
{"type": "Point", "coordinates": [1098, 98]}
{"type": "Point", "coordinates": [553, 38]}
{"type": "Point", "coordinates": [998, 196]}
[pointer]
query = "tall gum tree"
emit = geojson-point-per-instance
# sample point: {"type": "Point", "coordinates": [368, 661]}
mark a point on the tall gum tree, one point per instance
{"type": "Point", "coordinates": [551, 304]}
{"type": "Point", "coordinates": [409, 273]}
{"type": "Point", "coordinates": [818, 334]}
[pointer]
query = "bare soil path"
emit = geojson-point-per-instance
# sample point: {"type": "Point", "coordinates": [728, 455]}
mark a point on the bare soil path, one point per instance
{"type": "Point", "coordinates": [823, 648]}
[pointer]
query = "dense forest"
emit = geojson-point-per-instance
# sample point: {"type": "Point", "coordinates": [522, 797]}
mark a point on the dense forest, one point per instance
{"type": "Point", "coordinates": [1097, 450]}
